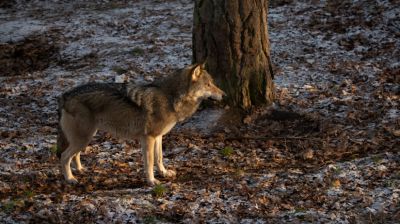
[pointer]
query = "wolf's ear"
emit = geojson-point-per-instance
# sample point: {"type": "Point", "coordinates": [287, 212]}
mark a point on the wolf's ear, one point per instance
{"type": "Point", "coordinates": [203, 65]}
{"type": "Point", "coordinates": [196, 72]}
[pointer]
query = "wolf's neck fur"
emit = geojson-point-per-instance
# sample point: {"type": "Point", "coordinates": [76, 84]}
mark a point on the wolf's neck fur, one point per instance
{"type": "Point", "coordinates": [184, 108]}
{"type": "Point", "coordinates": [176, 88]}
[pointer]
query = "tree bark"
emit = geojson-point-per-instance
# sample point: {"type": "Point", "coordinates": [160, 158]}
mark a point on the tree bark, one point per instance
{"type": "Point", "coordinates": [232, 35]}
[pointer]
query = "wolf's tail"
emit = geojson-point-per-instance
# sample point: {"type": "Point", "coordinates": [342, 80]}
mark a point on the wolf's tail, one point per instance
{"type": "Point", "coordinates": [62, 142]}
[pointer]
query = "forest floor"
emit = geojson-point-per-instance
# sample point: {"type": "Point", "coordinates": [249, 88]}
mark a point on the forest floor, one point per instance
{"type": "Point", "coordinates": [326, 151]}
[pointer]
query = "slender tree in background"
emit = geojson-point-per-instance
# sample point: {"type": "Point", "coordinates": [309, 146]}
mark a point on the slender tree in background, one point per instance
{"type": "Point", "coordinates": [233, 36]}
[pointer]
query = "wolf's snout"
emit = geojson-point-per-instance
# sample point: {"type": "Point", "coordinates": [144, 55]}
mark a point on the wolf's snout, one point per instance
{"type": "Point", "coordinates": [219, 94]}
{"type": "Point", "coordinates": [222, 95]}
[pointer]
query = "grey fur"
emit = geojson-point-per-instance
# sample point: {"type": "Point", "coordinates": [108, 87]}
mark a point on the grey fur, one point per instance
{"type": "Point", "coordinates": [130, 111]}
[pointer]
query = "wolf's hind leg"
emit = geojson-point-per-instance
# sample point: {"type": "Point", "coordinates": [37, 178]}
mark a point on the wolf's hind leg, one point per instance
{"type": "Point", "coordinates": [66, 158]}
{"type": "Point", "coordinates": [78, 165]}
{"type": "Point", "coordinates": [78, 130]}
{"type": "Point", "coordinates": [159, 159]}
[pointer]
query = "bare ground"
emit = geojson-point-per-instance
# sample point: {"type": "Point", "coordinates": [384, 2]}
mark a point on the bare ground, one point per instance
{"type": "Point", "coordinates": [327, 151]}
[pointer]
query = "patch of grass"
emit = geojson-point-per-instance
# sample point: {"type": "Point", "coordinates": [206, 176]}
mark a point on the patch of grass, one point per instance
{"type": "Point", "coordinates": [337, 170]}
{"type": "Point", "coordinates": [119, 70]}
{"type": "Point", "coordinates": [9, 206]}
{"type": "Point", "coordinates": [184, 178]}
{"type": "Point", "coordinates": [239, 172]}
{"type": "Point", "coordinates": [150, 219]}
{"type": "Point", "coordinates": [336, 87]}
{"type": "Point", "coordinates": [137, 51]}
{"type": "Point", "coordinates": [159, 190]}
{"type": "Point", "coordinates": [376, 159]}
{"type": "Point", "coordinates": [113, 5]}
{"type": "Point", "coordinates": [26, 179]}
{"type": "Point", "coordinates": [227, 151]}
{"type": "Point", "coordinates": [53, 149]}
{"type": "Point", "coordinates": [299, 209]}
{"type": "Point", "coordinates": [390, 183]}
{"type": "Point", "coordinates": [24, 148]}
{"type": "Point", "coordinates": [29, 194]}
{"type": "Point", "coordinates": [355, 156]}
{"type": "Point", "coordinates": [106, 6]}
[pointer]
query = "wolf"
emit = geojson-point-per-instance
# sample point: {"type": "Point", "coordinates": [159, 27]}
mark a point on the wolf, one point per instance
{"type": "Point", "coordinates": [128, 110]}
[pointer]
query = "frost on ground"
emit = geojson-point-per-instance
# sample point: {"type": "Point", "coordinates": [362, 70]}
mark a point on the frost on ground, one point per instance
{"type": "Point", "coordinates": [327, 151]}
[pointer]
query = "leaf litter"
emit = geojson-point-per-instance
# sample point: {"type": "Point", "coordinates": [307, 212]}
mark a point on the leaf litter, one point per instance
{"type": "Point", "coordinates": [326, 151]}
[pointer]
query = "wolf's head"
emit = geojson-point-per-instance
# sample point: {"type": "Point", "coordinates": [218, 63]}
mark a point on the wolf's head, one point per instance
{"type": "Point", "coordinates": [202, 85]}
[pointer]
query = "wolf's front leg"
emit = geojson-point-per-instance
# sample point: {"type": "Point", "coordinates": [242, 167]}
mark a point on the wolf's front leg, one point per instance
{"type": "Point", "coordinates": [148, 143]}
{"type": "Point", "coordinates": [159, 159]}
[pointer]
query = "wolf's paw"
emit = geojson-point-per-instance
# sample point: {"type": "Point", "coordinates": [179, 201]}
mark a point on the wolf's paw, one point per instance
{"type": "Point", "coordinates": [72, 180]}
{"type": "Point", "coordinates": [153, 182]}
{"type": "Point", "coordinates": [169, 173]}
{"type": "Point", "coordinates": [81, 169]}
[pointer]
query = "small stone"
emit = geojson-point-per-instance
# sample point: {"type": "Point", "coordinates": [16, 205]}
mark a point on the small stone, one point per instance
{"type": "Point", "coordinates": [396, 133]}
{"type": "Point", "coordinates": [336, 183]}
{"type": "Point", "coordinates": [247, 120]}
{"type": "Point", "coordinates": [310, 61]}
{"type": "Point", "coordinates": [309, 154]}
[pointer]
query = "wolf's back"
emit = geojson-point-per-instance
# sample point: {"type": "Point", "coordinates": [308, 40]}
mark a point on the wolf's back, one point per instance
{"type": "Point", "coordinates": [92, 97]}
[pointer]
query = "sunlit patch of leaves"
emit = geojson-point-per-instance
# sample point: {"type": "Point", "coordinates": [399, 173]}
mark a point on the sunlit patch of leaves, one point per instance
{"type": "Point", "coordinates": [227, 151]}
{"type": "Point", "coordinates": [159, 191]}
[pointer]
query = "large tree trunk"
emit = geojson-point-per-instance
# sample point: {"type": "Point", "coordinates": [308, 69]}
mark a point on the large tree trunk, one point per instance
{"type": "Point", "coordinates": [233, 36]}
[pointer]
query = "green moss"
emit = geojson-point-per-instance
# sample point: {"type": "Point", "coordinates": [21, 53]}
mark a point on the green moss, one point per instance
{"type": "Point", "coordinates": [119, 70]}
{"type": "Point", "coordinates": [9, 206]}
{"type": "Point", "coordinates": [184, 178]}
{"type": "Point", "coordinates": [150, 220]}
{"type": "Point", "coordinates": [227, 151]}
{"type": "Point", "coordinates": [377, 159]}
{"type": "Point", "coordinates": [337, 170]}
{"type": "Point", "coordinates": [239, 172]}
{"type": "Point", "coordinates": [29, 194]}
{"type": "Point", "coordinates": [137, 51]}
{"type": "Point", "coordinates": [53, 149]}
